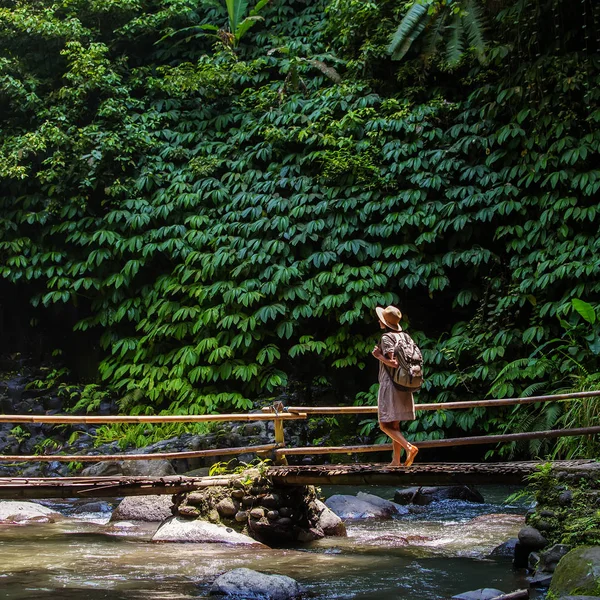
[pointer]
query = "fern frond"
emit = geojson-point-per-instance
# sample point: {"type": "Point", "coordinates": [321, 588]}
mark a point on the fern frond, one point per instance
{"type": "Point", "coordinates": [411, 26]}
{"type": "Point", "coordinates": [533, 389]}
{"type": "Point", "coordinates": [435, 35]}
{"type": "Point", "coordinates": [474, 26]}
{"type": "Point", "coordinates": [455, 47]}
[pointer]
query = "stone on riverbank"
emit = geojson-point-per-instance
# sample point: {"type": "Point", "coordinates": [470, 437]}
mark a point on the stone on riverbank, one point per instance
{"type": "Point", "coordinates": [246, 583]}
{"type": "Point", "coordinates": [426, 495]}
{"type": "Point", "coordinates": [577, 573]}
{"type": "Point", "coordinates": [532, 539]}
{"type": "Point", "coordinates": [26, 512]}
{"type": "Point", "coordinates": [176, 529]}
{"type": "Point", "coordinates": [143, 508]}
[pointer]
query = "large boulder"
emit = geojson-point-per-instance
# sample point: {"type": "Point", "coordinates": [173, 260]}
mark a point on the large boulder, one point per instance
{"type": "Point", "coordinates": [143, 508]}
{"type": "Point", "coordinates": [252, 585]}
{"type": "Point", "coordinates": [577, 573]}
{"type": "Point", "coordinates": [532, 539]}
{"type": "Point", "coordinates": [351, 508]}
{"type": "Point", "coordinates": [329, 522]}
{"type": "Point", "coordinates": [390, 508]}
{"type": "Point", "coordinates": [480, 594]}
{"type": "Point", "coordinates": [176, 529]}
{"type": "Point", "coordinates": [26, 512]}
{"type": "Point", "coordinates": [426, 495]}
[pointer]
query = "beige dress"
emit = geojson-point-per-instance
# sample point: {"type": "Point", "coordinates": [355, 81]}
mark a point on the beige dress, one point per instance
{"type": "Point", "coordinates": [392, 404]}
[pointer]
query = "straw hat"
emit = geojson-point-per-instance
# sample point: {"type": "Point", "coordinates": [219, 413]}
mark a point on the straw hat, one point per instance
{"type": "Point", "coordinates": [390, 317]}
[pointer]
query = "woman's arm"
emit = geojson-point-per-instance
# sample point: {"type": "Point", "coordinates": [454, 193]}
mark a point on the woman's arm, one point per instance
{"type": "Point", "coordinates": [388, 360]}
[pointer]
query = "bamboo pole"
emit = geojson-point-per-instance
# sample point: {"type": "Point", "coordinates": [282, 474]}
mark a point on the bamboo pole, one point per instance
{"type": "Point", "coordinates": [280, 441]}
{"type": "Point", "coordinates": [340, 410]}
{"type": "Point", "coordinates": [150, 419]}
{"type": "Point", "coordinates": [155, 456]}
{"type": "Point", "coordinates": [450, 442]}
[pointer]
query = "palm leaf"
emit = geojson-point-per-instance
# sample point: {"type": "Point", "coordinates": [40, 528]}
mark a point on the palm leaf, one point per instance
{"type": "Point", "coordinates": [245, 25]}
{"type": "Point", "coordinates": [236, 9]}
{"type": "Point", "coordinates": [411, 26]}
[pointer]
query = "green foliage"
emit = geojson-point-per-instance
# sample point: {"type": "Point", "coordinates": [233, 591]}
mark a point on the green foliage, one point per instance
{"type": "Point", "coordinates": [560, 365]}
{"type": "Point", "coordinates": [225, 221]}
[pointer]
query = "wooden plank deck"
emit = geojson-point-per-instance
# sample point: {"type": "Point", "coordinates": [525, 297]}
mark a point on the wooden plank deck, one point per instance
{"type": "Point", "coordinates": [352, 474]}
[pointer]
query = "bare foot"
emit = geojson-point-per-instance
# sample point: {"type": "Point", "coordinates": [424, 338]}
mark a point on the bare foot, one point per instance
{"type": "Point", "coordinates": [396, 464]}
{"type": "Point", "coordinates": [410, 455]}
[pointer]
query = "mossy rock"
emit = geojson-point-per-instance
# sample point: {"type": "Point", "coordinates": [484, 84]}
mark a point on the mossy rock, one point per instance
{"type": "Point", "coordinates": [577, 573]}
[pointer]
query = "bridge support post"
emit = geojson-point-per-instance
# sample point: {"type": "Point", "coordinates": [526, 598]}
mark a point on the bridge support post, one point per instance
{"type": "Point", "coordinates": [280, 459]}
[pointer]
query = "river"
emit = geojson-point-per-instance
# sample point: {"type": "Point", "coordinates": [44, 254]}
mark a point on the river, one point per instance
{"type": "Point", "coordinates": [430, 555]}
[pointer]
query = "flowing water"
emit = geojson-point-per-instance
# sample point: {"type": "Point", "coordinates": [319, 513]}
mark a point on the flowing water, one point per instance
{"type": "Point", "coordinates": [431, 555]}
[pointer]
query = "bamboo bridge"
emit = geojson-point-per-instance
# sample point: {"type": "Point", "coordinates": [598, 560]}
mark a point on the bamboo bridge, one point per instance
{"type": "Point", "coordinates": [281, 473]}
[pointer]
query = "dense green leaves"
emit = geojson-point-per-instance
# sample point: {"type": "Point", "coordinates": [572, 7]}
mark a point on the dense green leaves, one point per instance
{"type": "Point", "coordinates": [227, 219]}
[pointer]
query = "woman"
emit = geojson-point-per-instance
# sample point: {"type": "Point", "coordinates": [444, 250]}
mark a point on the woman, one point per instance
{"type": "Point", "coordinates": [393, 405]}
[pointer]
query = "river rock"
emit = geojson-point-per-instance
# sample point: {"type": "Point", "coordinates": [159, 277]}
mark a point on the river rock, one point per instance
{"type": "Point", "coordinates": [132, 468]}
{"type": "Point", "coordinates": [351, 508]}
{"type": "Point", "coordinates": [246, 583]}
{"type": "Point", "coordinates": [426, 495]}
{"type": "Point", "coordinates": [176, 529]}
{"type": "Point", "coordinates": [578, 573]}
{"type": "Point", "coordinates": [532, 539]}
{"type": "Point", "coordinates": [329, 522]}
{"type": "Point", "coordinates": [391, 508]}
{"type": "Point", "coordinates": [480, 594]}
{"type": "Point", "coordinates": [12, 511]}
{"type": "Point", "coordinates": [143, 508]}
{"type": "Point", "coordinates": [505, 549]}
{"type": "Point", "coordinates": [550, 558]}
{"type": "Point", "coordinates": [93, 507]}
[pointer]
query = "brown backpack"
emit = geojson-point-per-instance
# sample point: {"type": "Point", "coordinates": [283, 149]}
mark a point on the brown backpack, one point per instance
{"type": "Point", "coordinates": [408, 376]}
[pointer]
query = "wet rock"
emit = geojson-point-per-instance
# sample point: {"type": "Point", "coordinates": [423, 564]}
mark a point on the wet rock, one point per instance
{"type": "Point", "coordinates": [21, 512]}
{"type": "Point", "coordinates": [246, 583]}
{"type": "Point", "coordinates": [93, 507]}
{"type": "Point", "coordinates": [328, 521]}
{"type": "Point", "coordinates": [351, 508]}
{"type": "Point", "coordinates": [241, 516]}
{"type": "Point", "coordinates": [540, 580]}
{"type": "Point", "coordinates": [103, 469]}
{"type": "Point", "coordinates": [176, 529]}
{"type": "Point", "coordinates": [143, 508]}
{"type": "Point", "coordinates": [532, 561]}
{"type": "Point", "coordinates": [273, 515]}
{"type": "Point", "coordinates": [531, 538]}
{"type": "Point", "coordinates": [578, 573]}
{"type": "Point", "coordinates": [565, 498]}
{"type": "Point", "coordinates": [505, 549]}
{"type": "Point", "coordinates": [391, 508]}
{"type": "Point", "coordinates": [550, 558]}
{"type": "Point", "coordinates": [480, 594]}
{"type": "Point", "coordinates": [426, 495]}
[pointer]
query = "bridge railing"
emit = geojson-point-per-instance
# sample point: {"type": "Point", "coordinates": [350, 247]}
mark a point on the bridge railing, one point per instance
{"type": "Point", "coordinates": [280, 414]}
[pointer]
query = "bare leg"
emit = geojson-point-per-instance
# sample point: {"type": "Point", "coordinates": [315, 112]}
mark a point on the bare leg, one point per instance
{"type": "Point", "coordinates": [392, 429]}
